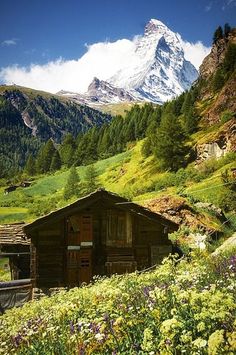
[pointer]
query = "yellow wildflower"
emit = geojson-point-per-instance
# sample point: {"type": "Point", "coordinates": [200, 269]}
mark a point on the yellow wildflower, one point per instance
{"type": "Point", "coordinates": [215, 342]}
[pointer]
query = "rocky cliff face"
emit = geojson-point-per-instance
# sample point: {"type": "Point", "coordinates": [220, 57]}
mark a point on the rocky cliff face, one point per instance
{"type": "Point", "coordinates": [223, 102]}
{"type": "Point", "coordinates": [223, 143]}
{"type": "Point", "coordinates": [213, 61]}
{"type": "Point", "coordinates": [224, 99]}
{"type": "Point", "coordinates": [217, 106]}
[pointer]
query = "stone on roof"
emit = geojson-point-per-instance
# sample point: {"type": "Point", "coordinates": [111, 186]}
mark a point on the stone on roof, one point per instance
{"type": "Point", "coordinates": [13, 234]}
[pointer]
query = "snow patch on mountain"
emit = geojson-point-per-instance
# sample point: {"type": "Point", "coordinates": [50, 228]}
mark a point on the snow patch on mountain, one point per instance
{"type": "Point", "coordinates": [158, 71]}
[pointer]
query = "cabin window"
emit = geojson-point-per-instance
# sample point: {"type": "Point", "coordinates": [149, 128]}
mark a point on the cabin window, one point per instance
{"type": "Point", "coordinates": [73, 231]}
{"type": "Point", "coordinates": [80, 230]}
{"type": "Point", "coordinates": [119, 228]}
{"type": "Point", "coordinates": [74, 225]}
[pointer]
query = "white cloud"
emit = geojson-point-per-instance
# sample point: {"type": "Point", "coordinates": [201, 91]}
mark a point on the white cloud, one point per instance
{"type": "Point", "coordinates": [102, 60]}
{"type": "Point", "coordinates": [208, 7]}
{"type": "Point", "coordinates": [195, 52]}
{"type": "Point", "coordinates": [9, 42]}
{"type": "Point", "coordinates": [229, 2]}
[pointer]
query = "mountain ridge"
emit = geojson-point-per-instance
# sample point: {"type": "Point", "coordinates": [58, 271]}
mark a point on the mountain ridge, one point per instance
{"type": "Point", "coordinates": [29, 117]}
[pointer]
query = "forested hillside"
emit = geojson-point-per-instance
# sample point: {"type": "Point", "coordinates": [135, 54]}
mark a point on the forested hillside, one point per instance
{"type": "Point", "coordinates": [29, 117]}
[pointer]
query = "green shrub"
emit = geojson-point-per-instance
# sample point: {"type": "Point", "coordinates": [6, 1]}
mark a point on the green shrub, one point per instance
{"type": "Point", "coordinates": [209, 166]}
{"type": "Point", "coordinates": [227, 200]}
{"type": "Point", "coordinates": [226, 116]}
{"type": "Point", "coordinates": [43, 207]}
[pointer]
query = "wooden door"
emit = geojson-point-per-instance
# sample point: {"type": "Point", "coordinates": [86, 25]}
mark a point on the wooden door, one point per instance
{"type": "Point", "coordinates": [85, 265]}
{"type": "Point", "coordinates": [79, 257]}
{"type": "Point", "coordinates": [73, 268]}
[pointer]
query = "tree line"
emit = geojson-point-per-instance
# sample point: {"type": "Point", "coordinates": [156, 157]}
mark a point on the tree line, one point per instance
{"type": "Point", "coordinates": [165, 127]}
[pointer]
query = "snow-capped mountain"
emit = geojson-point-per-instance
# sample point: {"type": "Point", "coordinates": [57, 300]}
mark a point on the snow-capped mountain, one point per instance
{"type": "Point", "coordinates": [157, 71]}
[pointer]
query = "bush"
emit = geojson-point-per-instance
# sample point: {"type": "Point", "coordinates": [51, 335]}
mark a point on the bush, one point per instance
{"type": "Point", "coordinates": [227, 200]}
{"type": "Point", "coordinates": [43, 207]}
{"type": "Point", "coordinates": [165, 181]}
{"type": "Point", "coordinates": [226, 116]}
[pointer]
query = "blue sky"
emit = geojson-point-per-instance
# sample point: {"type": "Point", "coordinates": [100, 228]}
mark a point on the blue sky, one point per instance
{"type": "Point", "coordinates": [41, 31]}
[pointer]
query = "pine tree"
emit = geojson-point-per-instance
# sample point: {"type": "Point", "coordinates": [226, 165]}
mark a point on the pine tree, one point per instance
{"type": "Point", "coordinates": [227, 30]}
{"type": "Point", "coordinates": [229, 64]}
{"type": "Point", "coordinates": [187, 103]}
{"type": "Point", "coordinates": [190, 121]}
{"type": "Point", "coordinates": [218, 34]}
{"type": "Point", "coordinates": [48, 152]}
{"type": "Point", "coordinates": [91, 181]}
{"type": "Point", "coordinates": [30, 168]}
{"type": "Point", "coordinates": [39, 161]}
{"type": "Point", "coordinates": [170, 142]}
{"type": "Point", "coordinates": [56, 162]}
{"type": "Point", "coordinates": [73, 185]}
{"type": "Point", "coordinates": [218, 80]}
{"type": "Point", "coordinates": [67, 150]}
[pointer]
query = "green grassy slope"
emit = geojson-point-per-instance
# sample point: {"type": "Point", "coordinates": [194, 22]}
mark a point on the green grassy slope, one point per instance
{"type": "Point", "coordinates": [128, 174]}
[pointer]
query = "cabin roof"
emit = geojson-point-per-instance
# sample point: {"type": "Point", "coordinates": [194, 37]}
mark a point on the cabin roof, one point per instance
{"type": "Point", "coordinates": [88, 200]}
{"type": "Point", "coordinates": [12, 234]}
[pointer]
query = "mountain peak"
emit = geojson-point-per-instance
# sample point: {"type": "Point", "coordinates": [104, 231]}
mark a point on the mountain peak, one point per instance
{"type": "Point", "coordinates": [94, 84]}
{"type": "Point", "coordinates": [153, 26]}
{"type": "Point", "coordinates": [156, 70]}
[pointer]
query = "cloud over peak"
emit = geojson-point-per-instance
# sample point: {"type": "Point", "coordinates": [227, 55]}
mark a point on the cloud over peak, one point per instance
{"type": "Point", "coordinates": [102, 60]}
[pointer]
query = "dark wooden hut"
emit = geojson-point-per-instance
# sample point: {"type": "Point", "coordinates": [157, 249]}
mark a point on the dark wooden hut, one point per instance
{"type": "Point", "coordinates": [15, 246]}
{"type": "Point", "coordinates": [99, 234]}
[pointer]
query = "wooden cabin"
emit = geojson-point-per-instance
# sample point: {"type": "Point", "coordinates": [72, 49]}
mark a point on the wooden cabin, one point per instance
{"type": "Point", "coordinates": [15, 246]}
{"type": "Point", "coordinates": [99, 234]}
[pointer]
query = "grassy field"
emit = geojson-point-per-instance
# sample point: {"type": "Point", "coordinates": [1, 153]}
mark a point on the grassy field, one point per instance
{"type": "Point", "coordinates": [12, 214]}
{"type": "Point", "coordinates": [117, 109]}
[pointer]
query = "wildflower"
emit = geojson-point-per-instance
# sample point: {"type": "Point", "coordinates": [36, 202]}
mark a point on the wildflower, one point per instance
{"type": "Point", "coordinates": [186, 338]}
{"type": "Point", "coordinates": [201, 326]}
{"type": "Point", "coordinates": [215, 342]}
{"type": "Point", "coordinates": [168, 342]}
{"type": "Point", "coordinates": [169, 325]}
{"type": "Point", "coordinates": [232, 340]}
{"type": "Point", "coordinates": [17, 339]}
{"type": "Point", "coordinates": [99, 336]}
{"type": "Point", "coordinates": [118, 321]}
{"type": "Point", "coordinates": [147, 344]}
{"type": "Point", "coordinates": [200, 343]}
